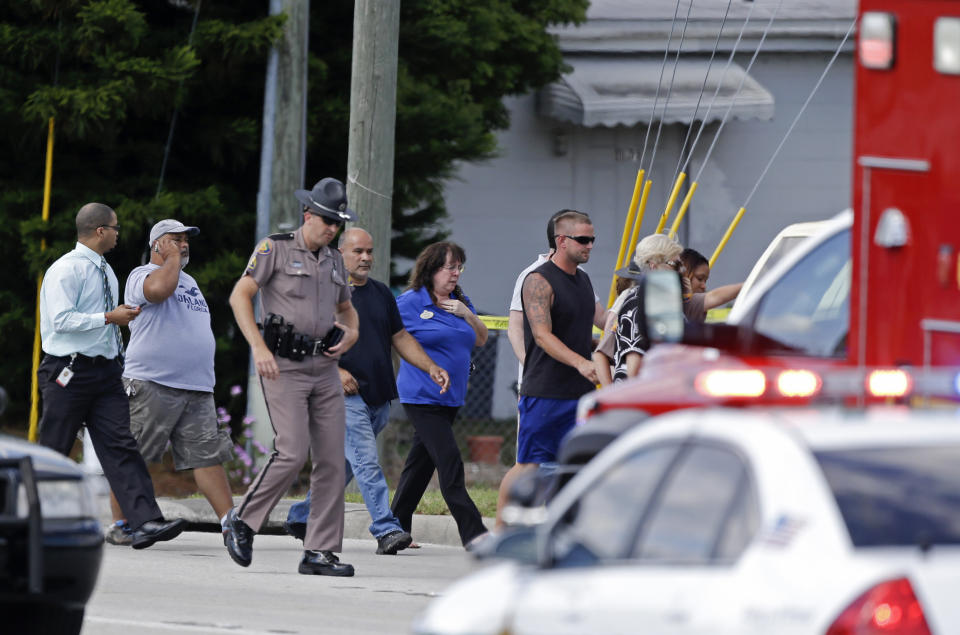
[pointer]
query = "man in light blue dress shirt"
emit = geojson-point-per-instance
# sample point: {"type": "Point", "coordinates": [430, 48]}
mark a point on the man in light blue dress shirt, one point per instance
{"type": "Point", "coordinates": [80, 375]}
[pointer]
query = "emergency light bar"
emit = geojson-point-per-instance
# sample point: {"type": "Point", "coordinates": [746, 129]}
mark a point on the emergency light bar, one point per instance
{"type": "Point", "coordinates": [731, 383]}
{"type": "Point", "coordinates": [806, 384]}
{"type": "Point", "coordinates": [798, 383]}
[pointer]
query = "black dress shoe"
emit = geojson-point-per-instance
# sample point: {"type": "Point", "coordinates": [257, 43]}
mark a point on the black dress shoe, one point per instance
{"type": "Point", "coordinates": [157, 531]}
{"type": "Point", "coordinates": [396, 540]}
{"type": "Point", "coordinates": [297, 530]}
{"type": "Point", "coordinates": [238, 538]}
{"type": "Point", "coordinates": [324, 563]}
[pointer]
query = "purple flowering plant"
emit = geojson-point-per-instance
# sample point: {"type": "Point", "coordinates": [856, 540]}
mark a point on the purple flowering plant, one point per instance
{"type": "Point", "coordinates": [243, 468]}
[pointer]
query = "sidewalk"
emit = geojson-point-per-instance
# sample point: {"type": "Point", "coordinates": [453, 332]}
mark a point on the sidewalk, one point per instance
{"type": "Point", "coordinates": [436, 530]}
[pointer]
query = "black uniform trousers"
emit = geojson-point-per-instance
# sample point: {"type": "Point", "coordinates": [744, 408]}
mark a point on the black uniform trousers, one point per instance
{"type": "Point", "coordinates": [95, 396]}
{"type": "Point", "coordinates": [434, 447]}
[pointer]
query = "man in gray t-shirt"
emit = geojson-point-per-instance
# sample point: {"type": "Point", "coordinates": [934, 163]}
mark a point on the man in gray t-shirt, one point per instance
{"type": "Point", "coordinates": [168, 373]}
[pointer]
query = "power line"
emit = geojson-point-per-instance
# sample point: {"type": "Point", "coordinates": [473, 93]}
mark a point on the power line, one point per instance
{"type": "Point", "coordinates": [656, 97]}
{"type": "Point", "coordinates": [703, 87]}
{"type": "Point", "coordinates": [176, 108]}
{"type": "Point", "coordinates": [800, 113]}
{"type": "Point", "coordinates": [666, 103]}
{"type": "Point", "coordinates": [743, 79]}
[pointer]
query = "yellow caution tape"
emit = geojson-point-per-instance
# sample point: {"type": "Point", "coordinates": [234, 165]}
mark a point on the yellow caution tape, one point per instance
{"type": "Point", "coordinates": [495, 322]}
{"type": "Point", "coordinates": [718, 315]}
{"type": "Point", "coordinates": [500, 322]}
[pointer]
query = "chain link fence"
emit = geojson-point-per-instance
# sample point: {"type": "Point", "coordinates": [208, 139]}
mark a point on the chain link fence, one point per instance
{"type": "Point", "coordinates": [488, 444]}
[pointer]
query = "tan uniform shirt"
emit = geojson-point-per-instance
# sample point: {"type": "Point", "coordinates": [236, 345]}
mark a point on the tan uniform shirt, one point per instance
{"type": "Point", "coordinates": [302, 288]}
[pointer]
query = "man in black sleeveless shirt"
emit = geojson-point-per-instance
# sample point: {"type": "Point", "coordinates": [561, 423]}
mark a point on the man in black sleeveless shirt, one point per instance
{"type": "Point", "coordinates": [558, 315]}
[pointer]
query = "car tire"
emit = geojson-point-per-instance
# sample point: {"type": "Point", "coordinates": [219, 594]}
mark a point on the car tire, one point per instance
{"type": "Point", "coordinates": [64, 620]}
{"type": "Point", "coordinates": [49, 619]}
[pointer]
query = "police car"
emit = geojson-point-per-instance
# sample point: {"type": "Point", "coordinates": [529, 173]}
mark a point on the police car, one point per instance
{"type": "Point", "coordinates": [51, 544]}
{"type": "Point", "coordinates": [762, 520]}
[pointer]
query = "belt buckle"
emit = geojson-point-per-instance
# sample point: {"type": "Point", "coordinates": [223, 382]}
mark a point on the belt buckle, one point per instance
{"type": "Point", "coordinates": [317, 347]}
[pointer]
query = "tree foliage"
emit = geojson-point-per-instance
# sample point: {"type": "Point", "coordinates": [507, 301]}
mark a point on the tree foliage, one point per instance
{"type": "Point", "coordinates": [113, 72]}
{"type": "Point", "coordinates": [458, 59]}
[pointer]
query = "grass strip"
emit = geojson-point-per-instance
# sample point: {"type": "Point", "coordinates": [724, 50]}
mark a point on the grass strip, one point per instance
{"type": "Point", "coordinates": [432, 503]}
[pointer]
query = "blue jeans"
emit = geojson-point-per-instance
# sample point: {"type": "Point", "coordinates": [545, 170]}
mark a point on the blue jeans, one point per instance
{"type": "Point", "coordinates": [364, 423]}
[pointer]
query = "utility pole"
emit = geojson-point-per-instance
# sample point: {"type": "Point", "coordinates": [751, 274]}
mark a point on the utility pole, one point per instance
{"type": "Point", "coordinates": [373, 116]}
{"type": "Point", "coordinates": [283, 153]}
{"type": "Point", "coordinates": [283, 149]}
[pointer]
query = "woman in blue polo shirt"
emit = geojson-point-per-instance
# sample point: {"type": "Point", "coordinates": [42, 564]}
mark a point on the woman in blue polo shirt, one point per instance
{"type": "Point", "coordinates": [439, 316]}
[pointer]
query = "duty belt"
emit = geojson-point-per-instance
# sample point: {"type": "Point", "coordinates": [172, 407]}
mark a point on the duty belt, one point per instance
{"type": "Point", "coordinates": [280, 338]}
{"type": "Point", "coordinates": [301, 347]}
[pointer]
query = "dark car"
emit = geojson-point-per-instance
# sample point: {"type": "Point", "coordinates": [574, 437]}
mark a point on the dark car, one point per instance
{"type": "Point", "coordinates": [51, 544]}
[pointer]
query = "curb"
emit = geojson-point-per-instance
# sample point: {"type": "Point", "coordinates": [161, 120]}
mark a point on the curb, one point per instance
{"type": "Point", "coordinates": [434, 530]}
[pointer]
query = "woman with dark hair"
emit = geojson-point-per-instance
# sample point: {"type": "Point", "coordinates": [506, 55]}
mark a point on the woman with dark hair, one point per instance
{"type": "Point", "coordinates": [442, 319]}
{"type": "Point", "coordinates": [697, 300]}
{"type": "Point", "coordinates": [696, 269]}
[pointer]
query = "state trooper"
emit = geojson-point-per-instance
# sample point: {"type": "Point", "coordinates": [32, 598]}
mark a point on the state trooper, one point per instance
{"type": "Point", "coordinates": [309, 322]}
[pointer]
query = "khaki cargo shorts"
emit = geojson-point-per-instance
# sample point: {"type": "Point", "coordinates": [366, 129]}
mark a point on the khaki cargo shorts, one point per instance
{"type": "Point", "coordinates": [185, 418]}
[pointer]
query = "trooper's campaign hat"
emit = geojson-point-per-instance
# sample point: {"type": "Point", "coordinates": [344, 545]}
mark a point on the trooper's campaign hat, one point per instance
{"type": "Point", "coordinates": [327, 198]}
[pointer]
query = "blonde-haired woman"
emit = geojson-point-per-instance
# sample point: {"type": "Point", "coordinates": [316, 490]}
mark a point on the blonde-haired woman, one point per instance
{"type": "Point", "coordinates": [656, 251]}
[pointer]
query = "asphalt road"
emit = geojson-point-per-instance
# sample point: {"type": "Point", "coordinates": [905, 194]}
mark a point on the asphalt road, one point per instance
{"type": "Point", "coordinates": [190, 585]}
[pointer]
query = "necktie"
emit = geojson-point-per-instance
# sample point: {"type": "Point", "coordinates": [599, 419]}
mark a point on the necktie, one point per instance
{"type": "Point", "coordinates": [108, 305]}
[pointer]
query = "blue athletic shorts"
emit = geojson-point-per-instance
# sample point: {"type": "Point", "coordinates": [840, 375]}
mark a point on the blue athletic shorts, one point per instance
{"type": "Point", "coordinates": [543, 423]}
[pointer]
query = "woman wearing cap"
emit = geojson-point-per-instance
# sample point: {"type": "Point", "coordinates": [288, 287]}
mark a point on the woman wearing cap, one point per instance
{"type": "Point", "coordinates": [442, 319]}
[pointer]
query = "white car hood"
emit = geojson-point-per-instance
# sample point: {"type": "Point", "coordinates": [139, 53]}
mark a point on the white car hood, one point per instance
{"type": "Point", "coordinates": [480, 604]}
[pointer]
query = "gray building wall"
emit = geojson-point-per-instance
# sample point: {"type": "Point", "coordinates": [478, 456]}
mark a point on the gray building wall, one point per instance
{"type": "Point", "coordinates": [498, 209]}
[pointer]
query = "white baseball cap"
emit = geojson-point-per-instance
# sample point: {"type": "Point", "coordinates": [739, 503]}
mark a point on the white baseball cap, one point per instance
{"type": "Point", "coordinates": [171, 226]}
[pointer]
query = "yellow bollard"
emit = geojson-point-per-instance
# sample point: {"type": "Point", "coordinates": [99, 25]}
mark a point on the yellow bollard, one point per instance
{"type": "Point", "coordinates": [673, 199]}
{"type": "Point", "coordinates": [624, 238]}
{"type": "Point", "coordinates": [34, 386]}
{"type": "Point", "coordinates": [683, 210]}
{"type": "Point", "coordinates": [726, 236]}
{"type": "Point", "coordinates": [636, 225]}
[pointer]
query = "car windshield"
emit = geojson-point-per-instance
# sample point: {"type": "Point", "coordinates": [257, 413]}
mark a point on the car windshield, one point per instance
{"type": "Point", "coordinates": [897, 495]}
{"type": "Point", "coordinates": [783, 247]}
{"type": "Point", "coordinates": [808, 308]}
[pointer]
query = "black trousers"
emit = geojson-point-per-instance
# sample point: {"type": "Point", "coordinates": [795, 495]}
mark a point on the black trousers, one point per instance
{"type": "Point", "coordinates": [95, 396]}
{"type": "Point", "coordinates": [434, 447]}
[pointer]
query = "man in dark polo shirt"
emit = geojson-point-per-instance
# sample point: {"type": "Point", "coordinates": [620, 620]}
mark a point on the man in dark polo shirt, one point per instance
{"type": "Point", "coordinates": [366, 372]}
{"type": "Point", "coordinates": [558, 313]}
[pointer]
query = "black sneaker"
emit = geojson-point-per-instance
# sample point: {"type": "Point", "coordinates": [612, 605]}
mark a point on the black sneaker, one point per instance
{"type": "Point", "coordinates": [396, 540]}
{"type": "Point", "coordinates": [238, 538]}
{"type": "Point", "coordinates": [324, 563]}
{"type": "Point", "coordinates": [297, 530]}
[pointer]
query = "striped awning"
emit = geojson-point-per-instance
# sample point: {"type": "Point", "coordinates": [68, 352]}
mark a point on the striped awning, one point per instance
{"type": "Point", "coordinates": [603, 91]}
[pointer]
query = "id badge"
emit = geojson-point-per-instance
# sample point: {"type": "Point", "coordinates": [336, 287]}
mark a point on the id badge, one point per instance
{"type": "Point", "coordinates": [65, 376]}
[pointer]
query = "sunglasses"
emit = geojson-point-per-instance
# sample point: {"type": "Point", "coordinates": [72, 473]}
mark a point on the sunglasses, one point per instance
{"type": "Point", "coordinates": [115, 228]}
{"type": "Point", "coordinates": [583, 240]}
{"type": "Point", "coordinates": [331, 221]}
{"type": "Point", "coordinates": [326, 219]}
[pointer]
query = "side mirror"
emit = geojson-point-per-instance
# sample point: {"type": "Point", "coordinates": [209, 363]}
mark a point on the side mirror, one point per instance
{"type": "Point", "coordinates": [663, 306]}
{"type": "Point", "coordinates": [515, 543]}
